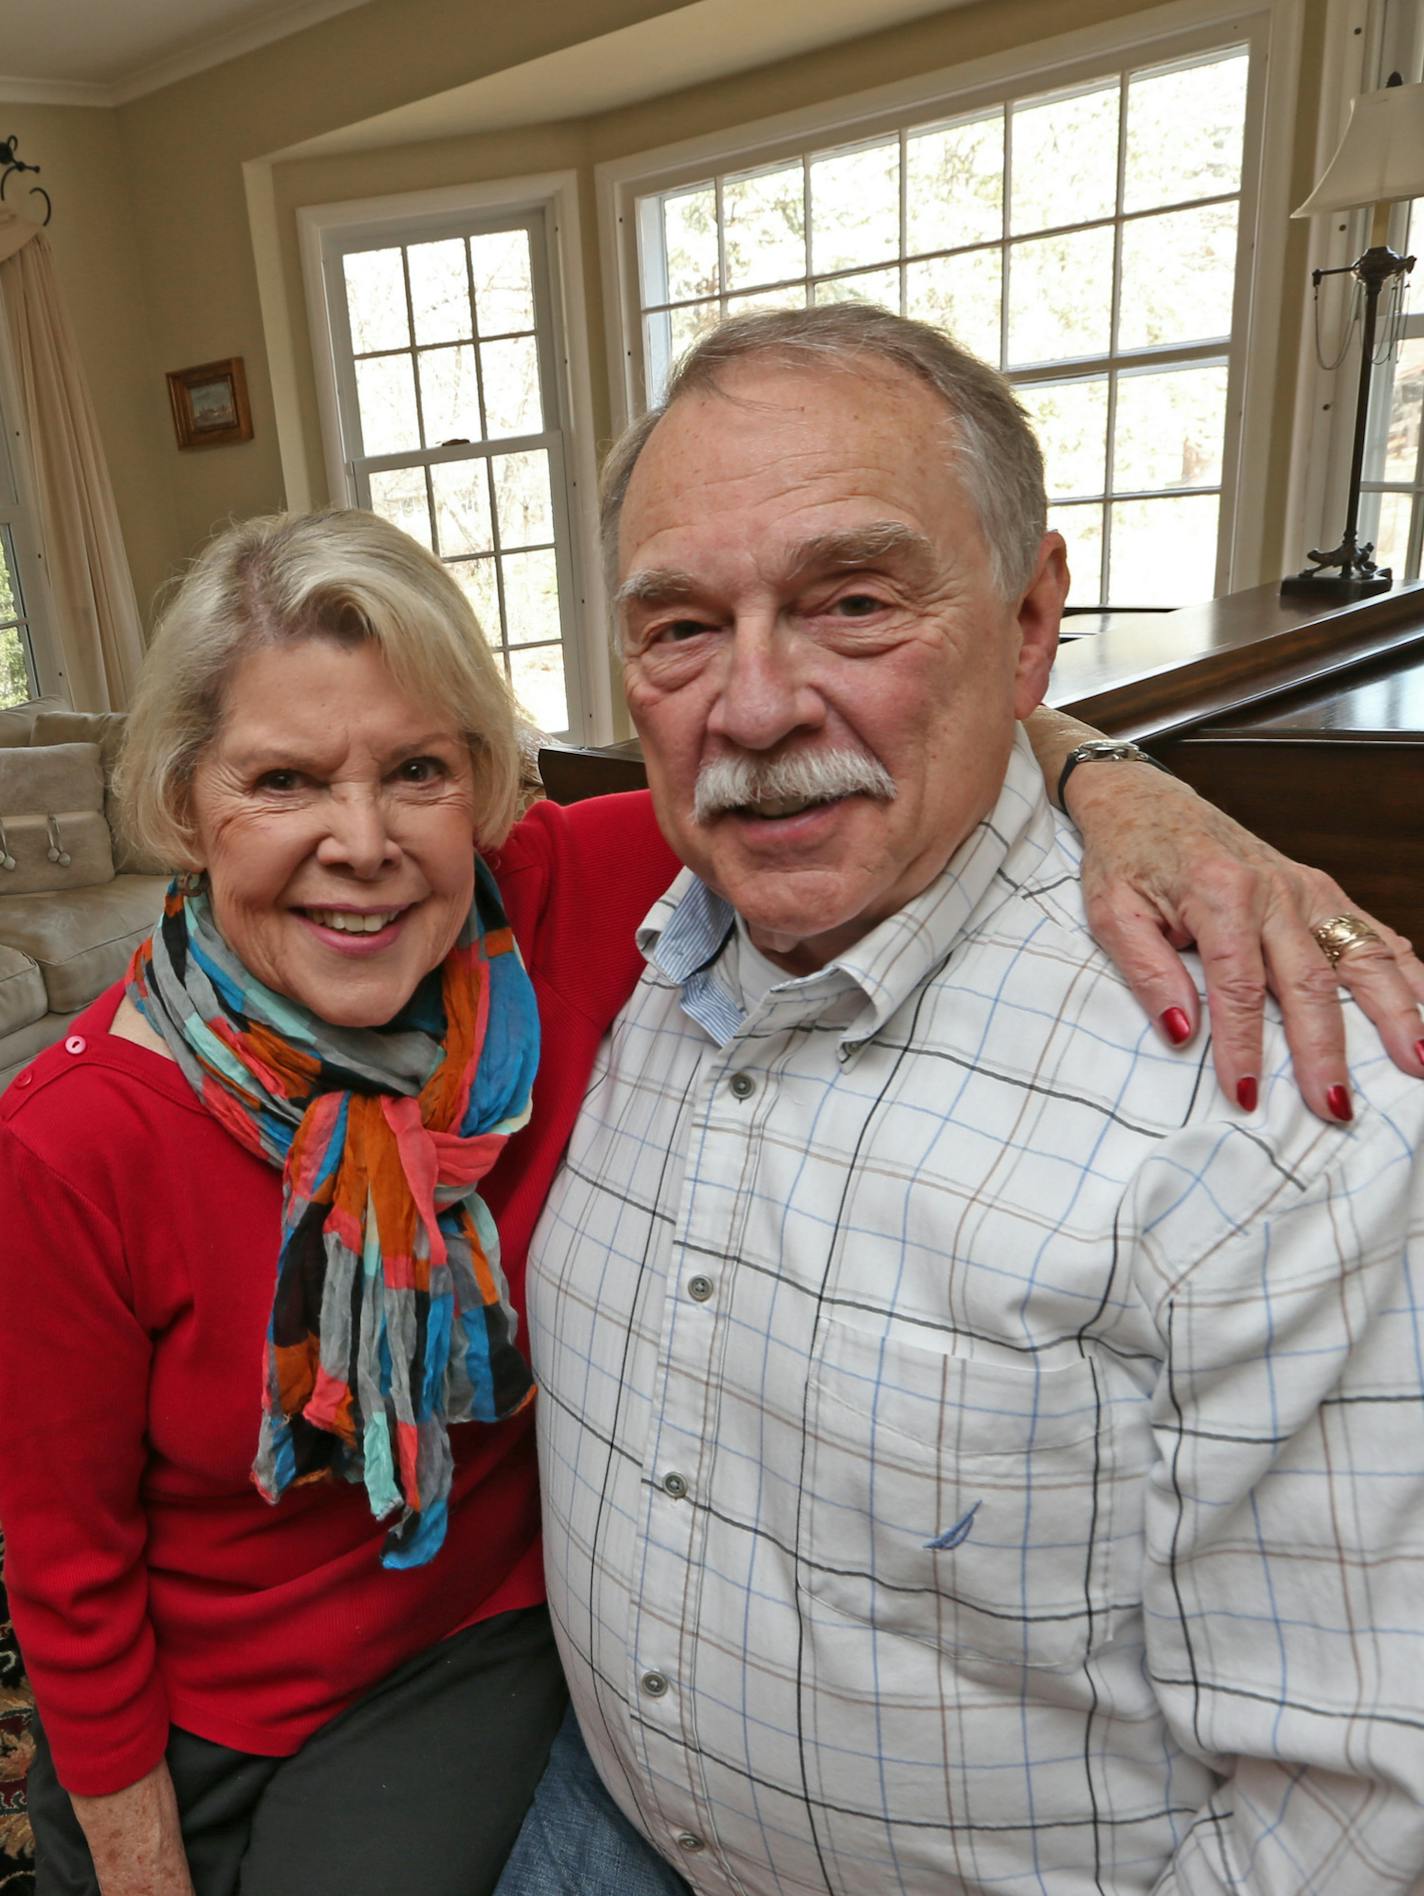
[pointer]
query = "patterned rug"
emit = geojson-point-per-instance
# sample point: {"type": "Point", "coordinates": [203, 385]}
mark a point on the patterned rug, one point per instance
{"type": "Point", "coordinates": [17, 1845]}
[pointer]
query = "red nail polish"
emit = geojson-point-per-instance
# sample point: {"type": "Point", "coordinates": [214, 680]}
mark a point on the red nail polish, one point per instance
{"type": "Point", "coordinates": [1419, 1051]}
{"type": "Point", "coordinates": [1176, 1026]}
{"type": "Point", "coordinates": [1338, 1100]}
{"type": "Point", "coordinates": [1246, 1093]}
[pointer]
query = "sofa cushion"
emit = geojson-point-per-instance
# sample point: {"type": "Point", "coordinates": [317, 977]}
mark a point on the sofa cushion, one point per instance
{"type": "Point", "coordinates": [106, 729]}
{"type": "Point", "coordinates": [17, 724]}
{"type": "Point", "coordinates": [22, 991]}
{"type": "Point", "coordinates": [16, 1052]}
{"type": "Point", "coordinates": [52, 807]}
{"type": "Point", "coordinates": [82, 938]}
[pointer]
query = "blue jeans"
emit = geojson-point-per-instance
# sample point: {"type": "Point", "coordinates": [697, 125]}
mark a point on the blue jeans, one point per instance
{"type": "Point", "coordinates": [576, 1842]}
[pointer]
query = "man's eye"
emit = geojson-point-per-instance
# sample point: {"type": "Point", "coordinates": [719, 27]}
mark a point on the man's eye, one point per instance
{"type": "Point", "coordinates": [857, 605]}
{"type": "Point", "coordinates": [679, 630]}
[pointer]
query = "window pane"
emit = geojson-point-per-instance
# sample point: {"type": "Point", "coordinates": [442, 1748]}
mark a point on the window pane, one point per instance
{"type": "Point", "coordinates": [1169, 428]}
{"type": "Point", "coordinates": [462, 508]}
{"type": "Point", "coordinates": [399, 496]}
{"type": "Point", "coordinates": [1060, 296]}
{"type": "Point", "coordinates": [866, 286]}
{"type": "Point", "coordinates": [1071, 421]}
{"type": "Point", "coordinates": [791, 296]}
{"type": "Point", "coordinates": [521, 498]}
{"type": "Point", "coordinates": [688, 324]}
{"type": "Point", "coordinates": [14, 678]}
{"type": "Point", "coordinates": [512, 401]}
{"type": "Point", "coordinates": [1178, 274]}
{"type": "Point", "coordinates": [1384, 520]}
{"type": "Point", "coordinates": [439, 291]}
{"type": "Point", "coordinates": [954, 185]}
{"type": "Point", "coordinates": [538, 680]}
{"type": "Point", "coordinates": [375, 300]}
{"type": "Point", "coordinates": [960, 295]}
{"type": "Point", "coordinates": [1064, 160]}
{"type": "Point", "coordinates": [1184, 133]}
{"type": "Point", "coordinates": [504, 295]}
{"type": "Point", "coordinates": [1082, 528]}
{"type": "Point", "coordinates": [1163, 551]}
{"type": "Point", "coordinates": [449, 395]}
{"type": "Point", "coordinates": [765, 226]}
{"type": "Point", "coordinates": [476, 580]}
{"type": "Point", "coordinates": [9, 591]}
{"type": "Point", "coordinates": [385, 394]}
{"type": "Point", "coordinates": [531, 597]}
{"type": "Point", "coordinates": [855, 207]}
{"type": "Point", "coordinates": [689, 246]}
{"type": "Point", "coordinates": [1406, 399]}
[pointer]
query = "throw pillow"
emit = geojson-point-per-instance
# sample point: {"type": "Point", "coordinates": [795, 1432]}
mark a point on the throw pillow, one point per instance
{"type": "Point", "coordinates": [52, 815]}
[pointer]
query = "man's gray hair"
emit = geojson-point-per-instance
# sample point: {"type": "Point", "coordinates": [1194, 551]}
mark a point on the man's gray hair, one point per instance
{"type": "Point", "coordinates": [988, 441]}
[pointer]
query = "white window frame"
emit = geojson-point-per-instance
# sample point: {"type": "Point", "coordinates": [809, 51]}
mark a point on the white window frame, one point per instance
{"type": "Point", "coordinates": [1272, 29]}
{"type": "Point", "coordinates": [551, 202]}
{"type": "Point", "coordinates": [21, 529]}
{"type": "Point", "coordinates": [1357, 60]}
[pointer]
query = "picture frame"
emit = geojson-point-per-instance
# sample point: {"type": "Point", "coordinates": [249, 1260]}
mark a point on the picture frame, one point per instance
{"type": "Point", "coordinates": [209, 403]}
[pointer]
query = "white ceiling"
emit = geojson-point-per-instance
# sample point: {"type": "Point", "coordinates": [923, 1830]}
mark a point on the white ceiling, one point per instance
{"type": "Point", "coordinates": [102, 52]}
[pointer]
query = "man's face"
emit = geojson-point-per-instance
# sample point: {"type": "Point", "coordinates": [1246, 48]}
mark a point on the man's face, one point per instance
{"type": "Point", "coordinates": [802, 573]}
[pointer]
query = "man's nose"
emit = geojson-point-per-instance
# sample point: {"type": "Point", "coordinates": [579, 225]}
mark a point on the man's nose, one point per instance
{"type": "Point", "coordinates": [358, 834]}
{"type": "Point", "coordinates": [767, 691]}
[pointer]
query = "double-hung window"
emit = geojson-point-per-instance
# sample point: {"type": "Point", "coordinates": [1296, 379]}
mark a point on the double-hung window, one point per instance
{"type": "Point", "coordinates": [453, 410]}
{"type": "Point", "coordinates": [1090, 235]}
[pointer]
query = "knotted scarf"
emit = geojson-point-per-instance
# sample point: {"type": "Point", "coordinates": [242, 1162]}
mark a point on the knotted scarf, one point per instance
{"type": "Point", "coordinates": [391, 1318]}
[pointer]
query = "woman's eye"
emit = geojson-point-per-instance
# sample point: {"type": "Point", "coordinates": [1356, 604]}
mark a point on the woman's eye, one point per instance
{"type": "Point", "coordinates": [279, 782]}
{"type": "Point", "coordinates": [420, 770]}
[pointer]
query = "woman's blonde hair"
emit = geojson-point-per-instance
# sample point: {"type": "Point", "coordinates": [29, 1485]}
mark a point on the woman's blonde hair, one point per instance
{"type": "Point", "coordinates": [342, 575]}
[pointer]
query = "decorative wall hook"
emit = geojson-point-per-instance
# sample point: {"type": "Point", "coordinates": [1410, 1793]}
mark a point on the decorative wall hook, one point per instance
{"type": "Point", "coordinates": [9, 164]}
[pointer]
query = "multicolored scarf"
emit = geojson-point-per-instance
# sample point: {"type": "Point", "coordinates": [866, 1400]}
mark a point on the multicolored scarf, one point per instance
{"type": "Point", "coordinates": [391, 1318]}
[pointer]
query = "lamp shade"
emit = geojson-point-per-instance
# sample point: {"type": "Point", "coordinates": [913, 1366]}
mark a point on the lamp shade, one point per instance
{"type": "Point", "coordinates": [1381, 156]}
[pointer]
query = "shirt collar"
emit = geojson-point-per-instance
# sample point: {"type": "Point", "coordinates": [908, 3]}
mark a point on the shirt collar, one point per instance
{"type": "Point", "coordinates": [685, 931]}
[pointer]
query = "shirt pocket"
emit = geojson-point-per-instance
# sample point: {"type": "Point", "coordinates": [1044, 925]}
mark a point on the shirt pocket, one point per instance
{"type": "Point", "coordinates": [965, 1503]}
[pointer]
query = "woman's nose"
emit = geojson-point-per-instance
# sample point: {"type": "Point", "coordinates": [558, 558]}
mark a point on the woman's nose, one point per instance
{"type": "Point", "coordinates": [358, 834]}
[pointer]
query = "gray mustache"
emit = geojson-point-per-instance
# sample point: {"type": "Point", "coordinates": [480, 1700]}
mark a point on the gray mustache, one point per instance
{"type": "Point", "coordinates": [730, 783]}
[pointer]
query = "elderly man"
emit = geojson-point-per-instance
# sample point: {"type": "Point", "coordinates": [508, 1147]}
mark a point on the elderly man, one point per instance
{"type": "Point", "coordinates": [975, 1458]}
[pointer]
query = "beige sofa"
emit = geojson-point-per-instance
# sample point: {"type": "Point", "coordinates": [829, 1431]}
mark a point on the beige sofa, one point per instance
{"type": "Point", "coordinates": [78, 898]}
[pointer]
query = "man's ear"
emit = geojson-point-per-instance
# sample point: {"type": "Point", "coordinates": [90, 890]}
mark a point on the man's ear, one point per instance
{"type": "Point", "coordinates": [1038, 616]}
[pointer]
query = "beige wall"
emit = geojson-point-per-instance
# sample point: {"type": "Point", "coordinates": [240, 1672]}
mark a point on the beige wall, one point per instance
{"type": "Point", "coordinates": [155, 236]}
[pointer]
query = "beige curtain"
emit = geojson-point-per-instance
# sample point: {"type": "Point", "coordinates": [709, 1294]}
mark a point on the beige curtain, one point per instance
{"type": "Point", "coordinates": [92, 611]}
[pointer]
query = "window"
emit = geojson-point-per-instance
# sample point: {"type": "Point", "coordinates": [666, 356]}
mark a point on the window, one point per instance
{"type": "Point", "coordinates": [1392, 492]}
{"type": "Point", "coordinates": [453, 417]}
{"type": "Point", "coordinates": [1087, 238]}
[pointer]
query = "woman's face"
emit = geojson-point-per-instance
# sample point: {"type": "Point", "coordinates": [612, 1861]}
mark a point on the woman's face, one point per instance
{"type": "Point", "coordinates": [335, 818]}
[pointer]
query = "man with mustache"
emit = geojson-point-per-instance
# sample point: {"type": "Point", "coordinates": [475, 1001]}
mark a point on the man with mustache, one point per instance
{"type": "Point", "coordinates": [976, 1456]}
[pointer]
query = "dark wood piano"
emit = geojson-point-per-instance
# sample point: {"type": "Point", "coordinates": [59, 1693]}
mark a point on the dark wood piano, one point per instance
{"type": "Point", "coordinates": [1306, 722]}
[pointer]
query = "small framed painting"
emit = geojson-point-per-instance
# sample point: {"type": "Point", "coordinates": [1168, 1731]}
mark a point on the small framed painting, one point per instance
{"type": "Point", "coordinates": [210, 404]}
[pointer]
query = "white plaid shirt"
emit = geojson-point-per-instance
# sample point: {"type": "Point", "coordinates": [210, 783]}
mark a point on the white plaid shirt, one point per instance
{"type": "Point", "coordinates": [973, 1457]}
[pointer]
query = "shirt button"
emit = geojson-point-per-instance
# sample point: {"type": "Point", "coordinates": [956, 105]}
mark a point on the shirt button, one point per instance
{"type": "Point", "coordinates": [686, 1841]}
{"type": "Point", "coordinates": [675, 1486]}
{"type": "Point", "coordinates": [24, 1079]}
{"type": "Point", "coordinates": [654, 1684]}
{"type": "Point", "coordinates": [76, 1043]}
{"type": "Point", "coordinates": [742, 1085]}
{"type": "Point", "coordinates": [699, 1289]}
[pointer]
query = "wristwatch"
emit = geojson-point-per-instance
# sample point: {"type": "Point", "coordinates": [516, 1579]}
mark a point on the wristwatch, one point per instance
{"type": "Point", "coordinates": [1101, 750]}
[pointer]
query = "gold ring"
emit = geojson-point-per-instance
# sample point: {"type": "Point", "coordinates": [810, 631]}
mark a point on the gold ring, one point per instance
{"type": "Point", "coordinates": [1337, 936]}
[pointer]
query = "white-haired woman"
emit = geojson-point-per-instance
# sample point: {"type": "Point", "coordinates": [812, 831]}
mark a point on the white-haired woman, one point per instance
{"type": "Point", "coordinates": [269, 1481]}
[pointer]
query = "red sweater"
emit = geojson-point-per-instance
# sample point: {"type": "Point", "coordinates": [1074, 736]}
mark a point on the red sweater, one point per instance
{"type": "Point", "coordinates": [149, 1581]}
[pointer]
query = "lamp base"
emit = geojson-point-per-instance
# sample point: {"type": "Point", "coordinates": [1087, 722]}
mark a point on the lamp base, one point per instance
{"type": "Point", "coordinates": [1315, 583]}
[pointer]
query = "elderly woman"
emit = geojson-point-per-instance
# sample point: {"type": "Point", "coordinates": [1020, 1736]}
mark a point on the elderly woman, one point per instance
{"type": "Point", "coordinates": [254, 1242]}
